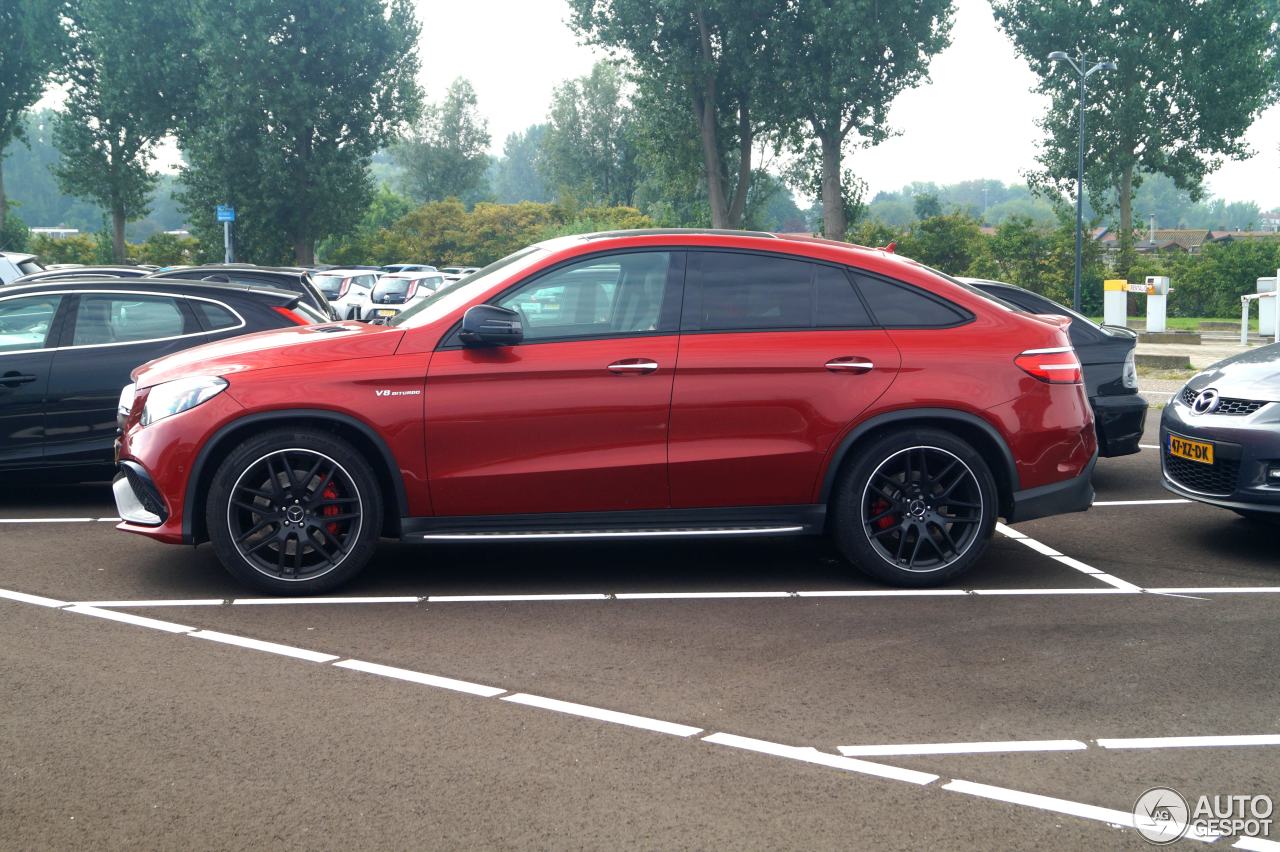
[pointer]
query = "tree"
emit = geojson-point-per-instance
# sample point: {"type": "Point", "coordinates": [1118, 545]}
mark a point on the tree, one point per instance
{"type": "Point", "coordinates": [33, 41]}
{"type": "Point", "coordinates": [446, 155]}
{"type": "Point", "coordinates": [517, 175]}
{"type": "Point", "coordinates": [926, 205]}
{"type": "Point", "coordinates": [589, 151]}
{"type": "Point", "coordinates": [712, 56]}
{"type": "Point", "coordinates": [1191, 78]}
{"type": "Point", "coordinates": [123, 96]}
{"type": "Point", "coordinates": [843, 63]}
{"type": "Point", "coordinates": [951, 243]}
{"type": "Point", "coordinates": [294, 100]}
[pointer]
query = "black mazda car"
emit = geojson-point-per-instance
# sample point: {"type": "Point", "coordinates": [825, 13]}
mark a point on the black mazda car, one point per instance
{"type": "Point", "coordinates": [68, 347]}
{"type": "Point", "coordinates": [1110, 376]}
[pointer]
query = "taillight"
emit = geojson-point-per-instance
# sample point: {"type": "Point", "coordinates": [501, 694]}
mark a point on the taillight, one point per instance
{"type": "Point", "coordinates": [291, 316]}
{"type": "Point", "coordinates": [1058, 366]}
{"type": "Point", "coordinates": [413, 288]}
{"type": "Point", "coordinates": [345, 286]}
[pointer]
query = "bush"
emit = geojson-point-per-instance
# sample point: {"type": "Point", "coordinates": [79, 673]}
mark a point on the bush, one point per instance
{"type": "Point", "coordinates": [14, 236]}
{"type": "Point", "coordinates": [78, 248]}
{"type": "Point", "coordinates": [167, 250]}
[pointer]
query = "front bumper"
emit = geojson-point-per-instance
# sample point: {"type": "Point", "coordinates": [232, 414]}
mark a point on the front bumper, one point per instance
{"type": "Point", "coordinates": [1058, 498]}
{"type": "Point", "coordinates": [138, 501]}
{"type": "Point", "coordinates": [1245, 447]}
{"type": "Point", "coordinates": [1120, 421]}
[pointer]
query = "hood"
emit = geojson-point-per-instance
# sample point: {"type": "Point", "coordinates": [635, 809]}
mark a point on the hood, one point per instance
{"type": "Point", "coordinates": [286, 347]}
{"type": "Point", "coordinates": [1250, 375]}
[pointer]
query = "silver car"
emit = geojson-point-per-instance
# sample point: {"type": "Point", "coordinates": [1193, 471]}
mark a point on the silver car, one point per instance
{"type": "Point", "coordinates": [1220, 435]}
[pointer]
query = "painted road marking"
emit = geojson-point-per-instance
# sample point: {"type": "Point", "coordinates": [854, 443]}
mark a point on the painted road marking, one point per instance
{"type": "Point", "coordinates": [1083, 568]}
{"type": "Point", "coordinates": [802, 754]}
{"type": "Point", "coordinates": [364, 600]}
{"type": "Point", "coordinates": [1257, 844]}
{"type": "Point", "coordinates": [1141, 502]}
{"type": "Point", "coordinates": [629, 719]}
{"type": "Point", "coordinates": [812, 755]}
{"type": "Point", "coordinates": [961, 748]}
{"type": "Point", "coordinates": [171, 602]}
{"type": "Point", "coordinates": [422, 678]}
{"type": "Point", "coordinates": [23, 597]}
{"type": "Point", "coordinates": [1150, 446]}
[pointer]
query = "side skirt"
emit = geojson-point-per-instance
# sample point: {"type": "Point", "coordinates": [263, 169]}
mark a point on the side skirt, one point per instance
{"type": "Point", "coordinates": [650, 523]}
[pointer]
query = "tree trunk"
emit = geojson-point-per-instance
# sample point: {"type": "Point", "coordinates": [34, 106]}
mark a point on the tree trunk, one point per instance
{"type": "Point", "coordinates": [1126, 257]}
{"type": "Point", "coordinates": [4, 199]}
{"type": "Point", "coordinates": [117, 234]}
{"type": "Point", "coordinates": [707, 132]}
{"type": "Point", "coordinates": [833, 221]}
{"type": "Point", "coordinates": [304, 251]}
{"type": "Point", "coordinates": [739, 204]}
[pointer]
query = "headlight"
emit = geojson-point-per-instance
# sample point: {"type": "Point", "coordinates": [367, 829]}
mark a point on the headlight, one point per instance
{"type": "Point", "coordinates": [125, 405]}
{"type": "Point", "coordinates": [170, 398]}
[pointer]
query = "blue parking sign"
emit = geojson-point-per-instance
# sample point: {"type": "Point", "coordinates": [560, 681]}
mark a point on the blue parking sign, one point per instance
{"type": "Point", "coordinates": [225, 213]}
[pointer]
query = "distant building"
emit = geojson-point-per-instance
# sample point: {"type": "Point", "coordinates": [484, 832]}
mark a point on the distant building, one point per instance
{"type": "Point", "coordinates": [1155, 240]}
{"type": "Point", "coordinates": [55, 233]}
{"type": "Point", "coordinates": [1270, 221]}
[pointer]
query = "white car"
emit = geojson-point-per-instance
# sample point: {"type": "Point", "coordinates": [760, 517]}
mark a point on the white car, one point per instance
{"type": "Point", "coordinates": [453, 273]}
{"type": "Point", "coordinates": [13, 266]}
{"type": "Point", "coordinates": [397, 291]}
{"type": "Point", "coordinates": [348, 290]}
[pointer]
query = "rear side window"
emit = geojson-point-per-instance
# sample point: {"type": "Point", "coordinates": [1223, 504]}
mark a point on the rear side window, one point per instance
{"type": "Point", "coordinates": [126, 319]}
{"type": "Point", "coordinates": [215, 317]}
{"type": "Point", "coordinates": [901, 306]}
{"type": "Point", "coordinates": [752, 292]}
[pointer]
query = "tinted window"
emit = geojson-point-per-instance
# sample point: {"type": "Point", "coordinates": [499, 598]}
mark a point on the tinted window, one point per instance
{"type": "Point", "coordinates": [750, 292]}
{"type": "Point", "coordinates": [25, 323]}
{"type": "Point", "coordinates": [126, 319]}
{"type": "Point", "coordinates": [608, 295]}
{"type": "Point", "coordinates": [330, 285]}
{"type": "Point", "coordinates": [901, 306]}
{"type": "Point", "coordinates": [215, 317]}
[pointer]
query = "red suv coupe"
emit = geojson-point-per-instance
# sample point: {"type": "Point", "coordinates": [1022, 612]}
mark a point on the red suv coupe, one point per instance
{"type": "Point", "coordinates": [621, 385]}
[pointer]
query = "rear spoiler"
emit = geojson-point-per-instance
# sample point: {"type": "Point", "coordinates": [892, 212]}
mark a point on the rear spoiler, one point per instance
{"type": "Point", "coordinates": [893, 244]}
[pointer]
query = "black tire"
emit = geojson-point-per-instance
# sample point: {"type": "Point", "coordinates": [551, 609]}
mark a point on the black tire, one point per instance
{"type": "Point", "coordinates": [311, 531]}
{"type": "Point", "coordinates": [914, 508]}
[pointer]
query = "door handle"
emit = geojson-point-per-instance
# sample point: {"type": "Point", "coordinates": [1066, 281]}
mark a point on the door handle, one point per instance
{"type": "Point", "coordinates": [633, 366]}
{"type": "Point", "coordinates": [850, 364]}
{"type": "Point", "coordinates": [13, 378]}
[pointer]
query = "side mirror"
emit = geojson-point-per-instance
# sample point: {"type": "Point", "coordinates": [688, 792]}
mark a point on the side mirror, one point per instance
{"type": "Point", "coordinates": [490, 325]}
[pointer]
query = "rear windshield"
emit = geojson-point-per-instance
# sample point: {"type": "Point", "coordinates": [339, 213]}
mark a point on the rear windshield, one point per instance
{"type": "Point", "coordinates": [330, 285]}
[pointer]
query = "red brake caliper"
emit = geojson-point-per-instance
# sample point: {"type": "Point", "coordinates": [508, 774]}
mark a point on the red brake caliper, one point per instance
{"type": "Point", "coordinates": [330, 493]}
{"type": "Point", "coordinates": [887, 521]}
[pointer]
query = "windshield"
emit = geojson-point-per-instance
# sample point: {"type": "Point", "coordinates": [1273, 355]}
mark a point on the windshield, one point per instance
{"type": "Point", "coordinates": [330, 285]}
{"type": "Point", "coordinates": [457, 292]}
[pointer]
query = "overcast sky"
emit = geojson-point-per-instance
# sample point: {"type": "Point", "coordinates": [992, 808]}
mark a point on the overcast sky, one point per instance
{"type": "Point", "coordinates": [976, 119]}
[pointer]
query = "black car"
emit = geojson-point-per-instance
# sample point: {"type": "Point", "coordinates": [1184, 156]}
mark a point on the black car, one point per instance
{"type": "Point", "coordinates": [66, 273]}
{"type": "Point", "coordinates": [1106, 353]}
{"type": "Point", "coordinates": [292, 278]}
{"type": "Point", "coordinates": [1220, 436]}
{"type": "Point", "coordinates": [68, 347]}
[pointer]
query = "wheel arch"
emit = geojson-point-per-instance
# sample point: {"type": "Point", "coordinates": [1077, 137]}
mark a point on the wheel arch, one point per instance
{"type": "Point", "coordinates": [354, 431]}
{"type": "Point", "coordinates": [975, 431]}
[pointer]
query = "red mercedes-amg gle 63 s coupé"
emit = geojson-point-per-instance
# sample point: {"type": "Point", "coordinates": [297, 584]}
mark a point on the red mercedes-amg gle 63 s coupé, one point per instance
{"type": "Point", "coordinates": [621, 385]}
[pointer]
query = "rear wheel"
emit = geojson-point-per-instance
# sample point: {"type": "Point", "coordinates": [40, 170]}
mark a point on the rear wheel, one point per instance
{"type": "Point", "coordinates": [294, 512]}
{"type": "Point", "coordinates": [915, 508]}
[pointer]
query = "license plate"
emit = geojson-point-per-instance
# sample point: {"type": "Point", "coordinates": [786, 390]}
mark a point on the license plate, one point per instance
{"type": "Point", "coordinates": [387, 313]}
{"type": "Point", "coordinates": [1196, 451]}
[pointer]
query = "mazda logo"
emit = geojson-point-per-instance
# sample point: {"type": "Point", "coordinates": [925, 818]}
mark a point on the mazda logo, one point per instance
{"type": "Point", "coordinates": [1207, 402]}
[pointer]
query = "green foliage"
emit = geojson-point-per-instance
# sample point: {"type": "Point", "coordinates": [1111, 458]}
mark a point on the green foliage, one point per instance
{"type": "Point", "coordinates": [1211, 282]}
{"type": "Point", "coordinates": [79, 248]}
{"type": "Point", "coordinates": [517, 174]}
{"type": "Point", "coordinates": [293, 101]}
{"type": "Point", "coordinates": [14, 235]}
{"type": "Point", "coordinates": [952, 243]}
{"type": "Point", "coordinates": [168, 250]}
{"type": "Point", "coordinates": [1191, 79]}
{"type": "Point", "coordinates": [445, 156]}
{"type": "Point", "coordinates": [387, 208]}
{"type": "Point", "coordinates": [30, 50]}
{"type": "Point", "coordinates": [595, 219]}
{"type": "Point", "coordinates": [589, 151]}
{"type": "Point", "coordinates": [926, 206]}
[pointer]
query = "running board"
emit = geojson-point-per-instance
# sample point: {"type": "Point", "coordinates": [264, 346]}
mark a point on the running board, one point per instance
{"type": "Point", "coordinates": [657, 523]}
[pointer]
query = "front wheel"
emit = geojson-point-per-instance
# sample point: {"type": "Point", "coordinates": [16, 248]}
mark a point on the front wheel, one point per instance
{"type": "Point", "coordinates": [294, 512]}
{"type": "Point", "coordinates": [915, 508]}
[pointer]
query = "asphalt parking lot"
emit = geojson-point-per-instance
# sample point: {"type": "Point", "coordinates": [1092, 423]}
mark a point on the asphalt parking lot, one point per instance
{"type": "Point", "coordinates": [746, 694]}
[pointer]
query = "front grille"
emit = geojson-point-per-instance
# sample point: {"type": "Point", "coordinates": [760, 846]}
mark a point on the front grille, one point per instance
{"type": "Point", "coordinates": [1218, 478]}
{"type": "Point", "coordinates": [1226, 405]}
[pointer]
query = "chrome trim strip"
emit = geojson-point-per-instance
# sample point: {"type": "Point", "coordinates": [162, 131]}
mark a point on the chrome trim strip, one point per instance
{"type": "Point", "coordinates": [535, 536]}
{"type": "Point", "coordinates": [850, 365]}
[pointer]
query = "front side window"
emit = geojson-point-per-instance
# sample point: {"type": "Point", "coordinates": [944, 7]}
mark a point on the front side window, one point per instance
{"type": "Point", "coordinates": [751, 292]}
{"type": "Point", "coordinates": [125, 318]}
{"type": "Point", "coordinates": [604, 296]}
{"type": "Point", "coordinates": [26, 323]}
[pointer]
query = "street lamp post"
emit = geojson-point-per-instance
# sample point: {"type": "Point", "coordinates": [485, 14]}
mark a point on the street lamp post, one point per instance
{"type": "Point", "coordinates": [1060, 56]}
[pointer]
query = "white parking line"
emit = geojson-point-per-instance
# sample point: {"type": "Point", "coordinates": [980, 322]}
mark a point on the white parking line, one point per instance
{"type": "Point", "coordinates": [422, 678]}
{"type": "Point", "coordinates": [350, 600]}
{"type": "Point", "coordinates": [812, 755]}
{"type": "Point", "coordinates": [59, 520]}
{"type": "Point", "coordinates": [129, 618]}
{"type": "Point", "coordinates": [1191, 742]}
{"type": "Point", "coordinates": [1218, 590]}
{"type": "Point", "coordinates": [1257, 844]}
{"type": "Point", "coordinates": [1141, 502]}
{"type": "Point", "coordinates": [961, 748]}
{"type": "Point", "coordinates": [629, 719]}
{"type": "Point", "coordinates": [1102, 576]}
{"type": "Point", "coordinates": [1150, 447]}
{"type": "Point", "coordinates": [269, 647]}
{"type": "Point", "coordinates": [171, 602]}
